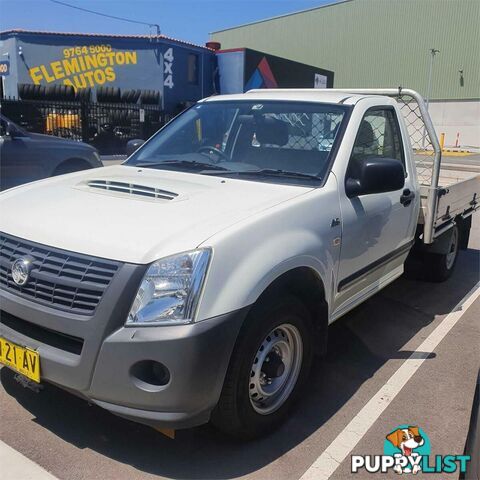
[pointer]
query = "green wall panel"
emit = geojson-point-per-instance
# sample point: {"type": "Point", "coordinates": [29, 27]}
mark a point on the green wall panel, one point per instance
{"type": "Point", "coordinates": [378, 43]}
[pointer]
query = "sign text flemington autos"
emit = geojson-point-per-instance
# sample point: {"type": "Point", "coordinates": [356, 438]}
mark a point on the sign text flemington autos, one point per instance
{"type": "Point", "coordinates": [84, 66]}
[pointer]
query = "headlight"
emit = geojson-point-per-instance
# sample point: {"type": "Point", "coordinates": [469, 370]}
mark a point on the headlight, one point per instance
{"type": "Point", "coordinates": [170, 290]}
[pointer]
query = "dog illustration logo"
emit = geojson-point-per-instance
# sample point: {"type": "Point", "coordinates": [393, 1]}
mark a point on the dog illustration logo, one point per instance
{"type": "Point", "coordinates": [407, 439]}
{"type": "Point", "coordinates": [407, 449]}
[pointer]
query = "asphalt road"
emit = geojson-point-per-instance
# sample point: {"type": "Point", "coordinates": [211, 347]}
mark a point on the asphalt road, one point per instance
{"type": "Point", "coordinates": [465, 160]}
{"type": "Point", "coordinates": [73, 440]}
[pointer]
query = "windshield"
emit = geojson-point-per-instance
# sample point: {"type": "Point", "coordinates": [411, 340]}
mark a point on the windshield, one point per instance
{"type": "Point", "coordinates": [267, 140]}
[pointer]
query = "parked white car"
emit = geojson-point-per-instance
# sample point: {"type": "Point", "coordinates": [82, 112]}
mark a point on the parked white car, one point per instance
{"type": "Point", "coordinates": [197, 280]}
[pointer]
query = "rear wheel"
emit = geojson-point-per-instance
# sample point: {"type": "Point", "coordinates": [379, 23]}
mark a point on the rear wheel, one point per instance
{"type": "Point", "coordinates": [268, 369]}
{"type": "Point", "coordinates": [440, 266]}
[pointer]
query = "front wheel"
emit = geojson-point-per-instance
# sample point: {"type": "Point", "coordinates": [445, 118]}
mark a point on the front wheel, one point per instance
{"type": "Point", "coordinates": [268, 369]}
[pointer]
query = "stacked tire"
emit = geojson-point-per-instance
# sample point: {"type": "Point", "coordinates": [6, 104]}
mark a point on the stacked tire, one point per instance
{"type": "Point", "coordinates": [131, 96]}
{"type": "Point", "coordinates": [60, 93]}
{"type": "Point", "coordinates": [83, 95]}
{"type": "Point", "coordinates": [150, 97]}
{"type": "Point", "coordinates": [28, 91]}
{"type": "Point", "coordinates": [108, 95]}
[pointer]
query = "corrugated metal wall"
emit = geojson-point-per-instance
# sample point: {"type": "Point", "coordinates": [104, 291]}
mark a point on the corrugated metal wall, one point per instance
{"type": "Point", "coordinates": [378, 43]}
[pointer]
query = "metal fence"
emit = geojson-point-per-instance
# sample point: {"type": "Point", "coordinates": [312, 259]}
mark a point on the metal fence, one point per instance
{"type": "Point", "coordinates": [422, 144]}
{"type": "Point", "coordinates": [106, 126]}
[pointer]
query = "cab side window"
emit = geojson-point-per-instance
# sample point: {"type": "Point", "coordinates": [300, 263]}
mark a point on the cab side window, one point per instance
{"type": "Point", "coordinates": [379, 136]}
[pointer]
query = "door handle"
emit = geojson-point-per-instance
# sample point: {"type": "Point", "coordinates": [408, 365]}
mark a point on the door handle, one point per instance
{"type": "Point", "coordinates": [407, 197]}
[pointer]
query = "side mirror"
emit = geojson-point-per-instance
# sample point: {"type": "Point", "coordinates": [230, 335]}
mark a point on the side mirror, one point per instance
{"type": "Point", "coordinates": [374, 175]}
{"type": "Point", "coordinates": [133, 145]}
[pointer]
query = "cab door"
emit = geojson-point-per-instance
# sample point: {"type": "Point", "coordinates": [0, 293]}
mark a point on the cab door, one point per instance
{"type": "Point", "coordinates": [377, 229]}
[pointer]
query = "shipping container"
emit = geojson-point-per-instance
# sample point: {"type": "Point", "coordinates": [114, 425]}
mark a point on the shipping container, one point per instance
{"type": "Point", "coordinates": [242, 69]}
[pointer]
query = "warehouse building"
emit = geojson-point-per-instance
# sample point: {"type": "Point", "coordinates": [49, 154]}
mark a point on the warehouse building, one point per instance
{"type": "Point", "coordinates": [163, 70]}
{"type": "Point", "coordinates": [386, 43]}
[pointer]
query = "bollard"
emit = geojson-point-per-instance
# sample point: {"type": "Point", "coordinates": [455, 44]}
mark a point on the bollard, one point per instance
{"type": "Point", "coordinates": [442, 141]}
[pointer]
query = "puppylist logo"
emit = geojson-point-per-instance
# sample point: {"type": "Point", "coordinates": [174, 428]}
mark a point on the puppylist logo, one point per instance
{"type": "Point", "coordinates": [406, 449]}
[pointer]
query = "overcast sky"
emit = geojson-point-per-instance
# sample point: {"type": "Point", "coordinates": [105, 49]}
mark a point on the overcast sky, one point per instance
{"type": "Point", "coordinates": [184, 19]}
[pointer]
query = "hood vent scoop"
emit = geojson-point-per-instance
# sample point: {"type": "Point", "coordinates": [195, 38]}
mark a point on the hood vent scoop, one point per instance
{"type": "Point", "coordinates": [132, 189]}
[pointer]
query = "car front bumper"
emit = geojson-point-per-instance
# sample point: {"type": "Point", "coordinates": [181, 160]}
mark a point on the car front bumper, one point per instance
{"type": "Point", "coordinates": [196, 357]}
{"type": "Point", "coordinates": [111, 366]}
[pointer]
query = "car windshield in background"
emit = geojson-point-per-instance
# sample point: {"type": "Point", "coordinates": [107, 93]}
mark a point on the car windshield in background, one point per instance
{"type": "Point", "coordinates": [267, 141]}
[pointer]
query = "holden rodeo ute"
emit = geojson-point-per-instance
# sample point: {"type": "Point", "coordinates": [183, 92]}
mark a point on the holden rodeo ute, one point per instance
{"type": "Point", "coordinates": [195, 281]}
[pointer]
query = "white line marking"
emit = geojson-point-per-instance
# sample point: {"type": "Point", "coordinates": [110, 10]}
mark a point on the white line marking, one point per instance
{"type": "Point", "coordinates": [15, 466]}
{"type": "Point", "coordinates": [345, 442]}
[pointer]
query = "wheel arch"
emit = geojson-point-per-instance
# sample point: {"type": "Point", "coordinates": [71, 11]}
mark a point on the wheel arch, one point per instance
{"type": "Point", "coordinates": [306, 284]}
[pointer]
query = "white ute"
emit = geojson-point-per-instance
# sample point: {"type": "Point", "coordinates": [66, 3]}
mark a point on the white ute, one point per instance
{"type": "Point", "coordinates": [195, 281]}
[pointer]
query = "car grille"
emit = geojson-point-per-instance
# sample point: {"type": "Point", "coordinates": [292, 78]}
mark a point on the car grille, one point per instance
{"type": "Point", "coordinates": [60, 279]}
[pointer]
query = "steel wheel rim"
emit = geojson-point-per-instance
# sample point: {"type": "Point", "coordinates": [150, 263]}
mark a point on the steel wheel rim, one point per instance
{"type": "Point", "coordinates": [269, 392]}
{"type": "Point", "coordinates": [452, 252]}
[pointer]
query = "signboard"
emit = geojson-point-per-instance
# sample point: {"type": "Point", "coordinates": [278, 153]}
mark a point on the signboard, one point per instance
{"type": "Point", "coordinates": [84, 66]}
{"type": "Point", "coordinates": [320, 81]}
{"type": "Point", "coordinates": [262, 70]}
{"type": "Point", "coordinates": [161, 68]}
{"type": "Point", "coordinates": [4, 68]}
{"type": "Point", "coordinates": [82, 62]}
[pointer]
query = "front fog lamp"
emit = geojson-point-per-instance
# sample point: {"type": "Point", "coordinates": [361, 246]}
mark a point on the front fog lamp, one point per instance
{"type": "Point", "coordinates": [170, 290]}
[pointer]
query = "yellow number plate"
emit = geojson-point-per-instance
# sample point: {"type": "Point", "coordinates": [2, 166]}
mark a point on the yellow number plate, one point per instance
{"type": "Point", "coordinates": [20, 359]}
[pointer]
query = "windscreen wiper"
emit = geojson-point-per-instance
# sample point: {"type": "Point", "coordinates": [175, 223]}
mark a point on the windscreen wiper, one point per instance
{"type": "Point", "coordinates": [181, 163]}
{"type": "Point", "coordinates": [271, 172]}
{"type": "Point", "coordinates": [287, 173]}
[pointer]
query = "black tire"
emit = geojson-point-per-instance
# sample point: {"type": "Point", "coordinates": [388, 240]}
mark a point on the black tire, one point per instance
{"type": "Point", "coordinates": [440, 266]}
{"type": "Point", "coordinates": [21, 90]}
{"type": "Point", "coordinates": [126, 96]}
{"type": "Point", "coordinates": [49, 93]}
{"type": "Point", "coordinates": [146, 98]}
{"type": "Point", "coordinates": [136, 95]}
{"type": "Point", "coordinates": [29, 92]}
{"type": "Point", "coordinates": [115, 95]}
{"type": "Point", "coordinates": [99, 94]}
{"type": "Point", "coordinates": [235, 413]}
{"type": "Point", "coordinates": [57, 92]}
{"type": "Point", "coordinates": [102, 94]}
{"type": "Point", "coordinates": [68, 92]}
{"type": "Point", "coordinates": [84, 95]}
{"type": "Point", "coordinates": [37, 91]}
